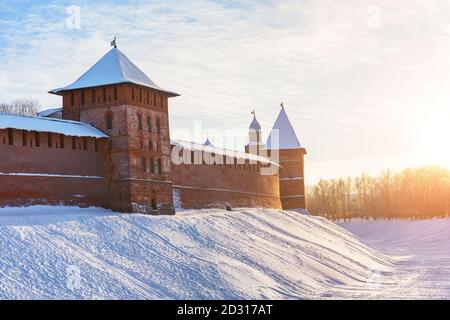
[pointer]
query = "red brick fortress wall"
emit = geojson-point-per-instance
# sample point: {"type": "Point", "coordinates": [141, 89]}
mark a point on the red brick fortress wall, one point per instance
{"type": "Point", "coordinates": [214, 186]}
{"type": "Point", "coordinates": [37, 170]}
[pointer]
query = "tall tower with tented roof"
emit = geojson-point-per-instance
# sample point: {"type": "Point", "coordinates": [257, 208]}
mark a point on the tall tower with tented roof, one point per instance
{"type": "Point", "coordinates": [117, 97]}
{"type": "Point", "coordinates": [291, 160]}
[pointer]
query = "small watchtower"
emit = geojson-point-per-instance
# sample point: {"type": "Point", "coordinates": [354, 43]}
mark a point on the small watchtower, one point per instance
{"type": "Point", "coordinates": [254, 137]}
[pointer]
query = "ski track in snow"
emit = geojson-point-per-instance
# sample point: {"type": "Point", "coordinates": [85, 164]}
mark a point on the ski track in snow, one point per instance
{"type": "Point", "coordinates": [215, 254]}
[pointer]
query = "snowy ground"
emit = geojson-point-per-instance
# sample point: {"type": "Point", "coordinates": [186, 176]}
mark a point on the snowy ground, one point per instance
{"type": "Point", "coordinates": [425, 273]}
{"type": "Point", "coordinates": [66, 252]}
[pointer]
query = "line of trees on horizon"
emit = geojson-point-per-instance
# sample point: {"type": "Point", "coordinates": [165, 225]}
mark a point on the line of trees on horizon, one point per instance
{"type": "Point", "coordinates": [413, 193]}
{"type": "Point", "coordinates": [25, 107]}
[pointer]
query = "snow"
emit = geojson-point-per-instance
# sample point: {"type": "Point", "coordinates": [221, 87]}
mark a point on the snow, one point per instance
{"type": "Point", "coordinates": [66, 127]}
{"type": "Point", "coordinates": [425, 273]}
{"type": "Point", "coordinates": [113, 68]}
{"type": "Point", "coordinates": [72, 253]}
{"type": "Point", "coordinates": [48, 112]}
{"type": "Point", "coordinates": [282, 134]}
{"type": "Point", "coordinates": [255, 125]}
{"type": "Point", "coordinates": [193, 146]}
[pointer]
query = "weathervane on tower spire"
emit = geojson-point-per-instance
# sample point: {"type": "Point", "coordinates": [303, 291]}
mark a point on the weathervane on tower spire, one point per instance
{"type": "Point", "coordinates": [114, 43]}
{"type": "Point", "coordinates": [253, 113]}
{"type": "Point", "coordinates": [282, 105]}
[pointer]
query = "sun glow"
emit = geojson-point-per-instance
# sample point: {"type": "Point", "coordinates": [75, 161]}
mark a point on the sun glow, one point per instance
{"type": "Point", "coordinates": [434, 139]}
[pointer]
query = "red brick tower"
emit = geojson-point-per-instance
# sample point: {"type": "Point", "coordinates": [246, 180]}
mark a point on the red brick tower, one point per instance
{"type": "Point", "coordinates": [118, 98]}
{"type": "Point", "coordinates": [291, 160]}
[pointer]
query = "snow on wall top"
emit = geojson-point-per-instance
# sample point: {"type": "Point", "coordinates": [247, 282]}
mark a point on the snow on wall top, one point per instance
{"type": "Point", "coordinates": [66, 127]}
{"type": "Point", "coordinates": [113, 68]}
{"type": "Point", "coordinates": [47, 112]}
{"type": "Point", "coordinates": [193, 146]}
{"type": "Point", "coordinates": [287, 137]}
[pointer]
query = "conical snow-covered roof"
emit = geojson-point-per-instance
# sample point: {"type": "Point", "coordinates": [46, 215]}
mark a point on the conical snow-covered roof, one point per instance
{"type": "Point", "coordinates": [287, 137]}
{"type": "Point", "coordinates": [255, 126]}
{"type": "Point", "coordinates": [113, 68]}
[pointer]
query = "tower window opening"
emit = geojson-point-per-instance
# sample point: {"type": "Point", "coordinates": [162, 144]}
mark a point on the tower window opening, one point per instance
{"type": "Point", "coordinates": [149, 124]}
{"type": "Point", "coordinates": [152, 166]}
{"type": "Point", "coordinates": [159, 166]}
{"type": "Point", "coordinates": [109, 122]}
{"type": "Point", "coordinates": [139, 122]}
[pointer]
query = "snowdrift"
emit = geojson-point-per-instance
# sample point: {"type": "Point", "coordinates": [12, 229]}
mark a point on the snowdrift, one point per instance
{"type": "Point", "coordinates": [72, 253]}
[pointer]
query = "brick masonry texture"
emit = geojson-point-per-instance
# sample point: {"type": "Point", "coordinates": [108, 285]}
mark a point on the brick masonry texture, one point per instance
{"type": "Point", "coordinates": [132, 170]}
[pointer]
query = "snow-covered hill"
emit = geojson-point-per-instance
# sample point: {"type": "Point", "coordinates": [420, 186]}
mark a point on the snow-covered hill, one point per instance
{"type": "Point", "coordinates": [66, 252]}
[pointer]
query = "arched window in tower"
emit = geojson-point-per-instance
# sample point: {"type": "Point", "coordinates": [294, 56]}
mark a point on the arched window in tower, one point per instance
{"type": "Point", "coordinates": [152, 166]}
{"type": "Point", "coordinates": [159, 166]}
{"type": "Point", "coordinates": [149, 124]}
{"type": "Point", "coordinates": [109, 122]}
{"type": "Point", "coordinates": [158, 126]}
{"type": "Point", "coordinates": [104, 94]}
{"type": "Point", "coordinates": [144, 165]}
{"type": "Point", "coordinates": [139, 122]}
{"type": "Point", "coordinates": [115, 94]}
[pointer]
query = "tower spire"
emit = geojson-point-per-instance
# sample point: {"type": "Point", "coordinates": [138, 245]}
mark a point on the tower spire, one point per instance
{"type": "Point", "coordinates": [114, 43]}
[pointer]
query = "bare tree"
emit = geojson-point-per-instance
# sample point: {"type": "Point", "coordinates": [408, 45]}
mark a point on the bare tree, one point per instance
{"type": "Point", "coordinates": [420, 193]}
{"type": "Point", "coordinates": [26, 107]}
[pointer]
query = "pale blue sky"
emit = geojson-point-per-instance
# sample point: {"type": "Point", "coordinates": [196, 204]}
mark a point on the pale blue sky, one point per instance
{"type": "Point", "coordinates": [365, 83]}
